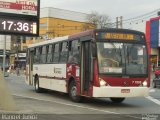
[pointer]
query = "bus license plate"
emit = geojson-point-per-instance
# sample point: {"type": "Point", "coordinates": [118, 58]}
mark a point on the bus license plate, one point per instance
{"type": "Point", "coordinates": [125, 90]}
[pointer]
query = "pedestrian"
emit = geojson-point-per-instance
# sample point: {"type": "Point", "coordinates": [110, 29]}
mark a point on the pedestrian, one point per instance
{"type": "Point", "coordinates": [18, 70]}
{"type": "Point", "coordinates": [10, 68]}
{"type": "Point", "coordinates": [154, 66]}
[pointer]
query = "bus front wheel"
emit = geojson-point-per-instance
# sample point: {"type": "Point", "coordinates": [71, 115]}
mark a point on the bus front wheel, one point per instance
{"type": "Point", "coordinates": [117, 100]}
{"type": "Point", "coordinates": [73, 92]}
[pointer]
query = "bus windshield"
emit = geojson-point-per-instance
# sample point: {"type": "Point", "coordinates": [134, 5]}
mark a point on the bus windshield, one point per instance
{"type": "Point", "coordinates": [122, 58]}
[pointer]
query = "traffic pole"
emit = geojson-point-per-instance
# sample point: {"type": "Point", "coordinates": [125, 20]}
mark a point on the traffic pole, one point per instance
{"type": "Point", "coordinates": [6, 100]}
{"type": "Point", "coordinates": [4, 55]}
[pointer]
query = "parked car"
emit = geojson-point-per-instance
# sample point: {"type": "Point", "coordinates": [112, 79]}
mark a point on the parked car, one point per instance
{"type": "Point", "coordinates": [156, 80]}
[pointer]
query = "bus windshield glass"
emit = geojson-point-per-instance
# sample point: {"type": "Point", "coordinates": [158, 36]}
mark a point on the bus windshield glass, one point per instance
{"type": "Point", "coordinates": [122, 58]}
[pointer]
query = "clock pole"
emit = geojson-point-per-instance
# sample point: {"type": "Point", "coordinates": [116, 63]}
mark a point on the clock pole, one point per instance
{"type": "Point", "coordinates": [4, 55]}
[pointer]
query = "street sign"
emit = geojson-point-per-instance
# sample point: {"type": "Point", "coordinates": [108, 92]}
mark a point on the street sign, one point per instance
{"type": "Point", "coordinates": [24, 7]}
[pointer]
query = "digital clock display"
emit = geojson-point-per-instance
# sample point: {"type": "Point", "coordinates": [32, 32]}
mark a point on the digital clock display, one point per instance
{"type": "Point", "coordinates": [25, 27]}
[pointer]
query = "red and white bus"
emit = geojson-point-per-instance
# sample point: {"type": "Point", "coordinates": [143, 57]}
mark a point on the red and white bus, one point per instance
{"type": "Point", "coordinates": [97, 63]}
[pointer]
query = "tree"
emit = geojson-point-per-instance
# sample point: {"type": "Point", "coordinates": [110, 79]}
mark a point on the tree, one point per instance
{"type": "Point", "coordinates": [99, 20]}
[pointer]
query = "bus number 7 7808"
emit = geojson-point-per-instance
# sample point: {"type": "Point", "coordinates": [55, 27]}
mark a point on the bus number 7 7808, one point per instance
{"type": "Point", "coordinates": [97, 63]}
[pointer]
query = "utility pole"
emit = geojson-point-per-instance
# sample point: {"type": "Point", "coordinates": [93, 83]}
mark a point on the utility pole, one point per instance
{"type": "Point", "coordinates": [119, 23]}
{"type": "Point", "coordinates": [17, 49]}
{"type": "Point", "coordinates": [4, 55]}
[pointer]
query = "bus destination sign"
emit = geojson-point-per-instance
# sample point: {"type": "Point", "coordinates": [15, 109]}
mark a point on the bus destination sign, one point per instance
{"type": "Point", "coordinates": [119, 36]}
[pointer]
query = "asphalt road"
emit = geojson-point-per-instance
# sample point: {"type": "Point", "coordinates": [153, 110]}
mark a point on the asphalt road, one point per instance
{"type": "Point", "coordinates": [57, 105]}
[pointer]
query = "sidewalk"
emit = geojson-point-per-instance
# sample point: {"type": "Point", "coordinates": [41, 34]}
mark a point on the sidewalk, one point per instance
{"type": "Point", "coordinates": [21, 107]}
{"type": "Point", "coordinates": [22, 72]}
{"type": "Point", "coordinates": [6, 99]}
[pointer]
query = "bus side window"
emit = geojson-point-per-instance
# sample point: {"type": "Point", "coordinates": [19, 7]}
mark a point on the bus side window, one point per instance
{"type": "Point", "coordinates": [40, 55]}
{"type": "Point", "coordinates": [64, 52]}
{"type": "Point", "coordinates": [74, 52]}
{"type": "Point", "coordinates": [34, 57]}
{"type": "Point", "coordinates": [43, 55]}
{"type": "Point", "coordinates": [56, 53]}
{"type": "Point", "coordinates": [27, 56]}
{"type": "Point", "coordinates": [37, 55]}
{"type": "Point", "coordinates": [49, 54]}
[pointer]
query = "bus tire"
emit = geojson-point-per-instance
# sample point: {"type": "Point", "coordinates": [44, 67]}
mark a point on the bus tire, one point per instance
{"type": "Point", "coordinates": [117, 100]}
{"type": "Point", "coordinates": [154, 84]}
{"type": "Point", "coordinates": [36, 85]}
{"type": "Point", "coordinates": [73, 92]}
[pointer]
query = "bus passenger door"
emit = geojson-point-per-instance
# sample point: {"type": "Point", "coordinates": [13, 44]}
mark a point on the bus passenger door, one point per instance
{"type": "Point", "coordinates": [85, 67]}
{"type": "Point", "coordinates": [31, 55]}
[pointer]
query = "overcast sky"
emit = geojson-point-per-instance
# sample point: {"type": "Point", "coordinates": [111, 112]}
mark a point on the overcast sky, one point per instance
{"type": "Point", "coordinates": [113, 8]}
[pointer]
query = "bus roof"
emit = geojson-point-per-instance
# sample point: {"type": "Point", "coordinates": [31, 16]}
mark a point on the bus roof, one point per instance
{"type": "Point", "coordinates": [119, 30]}
{"type": "Point", "coordinates": [91, 32]}
{"type": "Point", "coordinates": [85, 33]}
{"type": "Point", "coordinates": [81, 34]}
{"type": "Point", "coordinates": [49, 41]}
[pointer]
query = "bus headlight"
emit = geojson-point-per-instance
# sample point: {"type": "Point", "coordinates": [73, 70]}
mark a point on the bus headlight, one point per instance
{"type": "Point", "coordinates": [144, 83]}
{"type": "Point", "coordinates": [102, 82]}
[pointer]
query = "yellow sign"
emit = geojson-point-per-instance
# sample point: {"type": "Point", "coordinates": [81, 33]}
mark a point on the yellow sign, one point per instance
{"type": "Point", "coordinates": [119, 36]}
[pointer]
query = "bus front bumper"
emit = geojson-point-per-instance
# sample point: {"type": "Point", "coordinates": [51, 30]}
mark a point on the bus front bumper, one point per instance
{"type": "Point", "coordinates": [120, 91]}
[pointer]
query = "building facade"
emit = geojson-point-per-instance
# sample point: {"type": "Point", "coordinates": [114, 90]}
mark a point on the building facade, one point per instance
{"type": "Point", "coordinates": [56, 22]}
{"type": "Point", "coordinates": [8, 42]}
{"type": "Point", "coordinates": [153, 36]}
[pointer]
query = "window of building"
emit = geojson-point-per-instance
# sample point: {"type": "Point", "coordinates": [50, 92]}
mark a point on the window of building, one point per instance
{"type": "Point", "coordinates": [24, 39]}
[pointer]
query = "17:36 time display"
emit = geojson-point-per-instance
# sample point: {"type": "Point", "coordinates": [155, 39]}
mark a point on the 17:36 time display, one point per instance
{"type": "Point", "coordinates": [18, 26]}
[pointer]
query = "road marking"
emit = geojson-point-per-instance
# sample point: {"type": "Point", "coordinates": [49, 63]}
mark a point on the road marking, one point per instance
{"type": "Point", "coordinates": [89, 108]}
{"type": "Point", "coordinates": [67, 104]}
{"type": "Point", "coordinates": [152, 90]}
{"type": "Point", "coordinates": [153, 100]}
